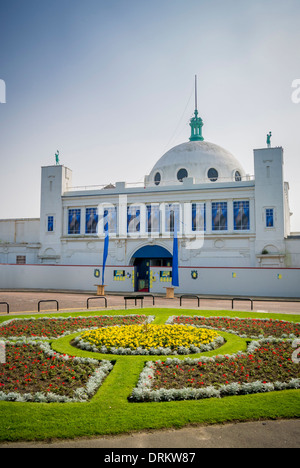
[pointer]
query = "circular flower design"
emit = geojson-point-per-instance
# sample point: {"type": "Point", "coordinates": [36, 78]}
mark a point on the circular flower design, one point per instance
{"type": "Point", "coordinates": [148, 338]}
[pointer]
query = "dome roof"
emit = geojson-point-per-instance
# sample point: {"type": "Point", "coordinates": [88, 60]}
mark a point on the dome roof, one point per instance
{"type": "Point", "coordinates": [201, 160]}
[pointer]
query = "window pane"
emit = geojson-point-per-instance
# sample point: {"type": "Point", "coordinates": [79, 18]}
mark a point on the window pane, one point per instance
{"type": "Point", "coordinates": [74, 221]}
{"type": "Point", "coordinates": [199, 217]}
{"type": "Point", "coordinates": [21, 259]}
{"type": "Point", "coordinates": [241, 215]}
{"type": "Point", "coordinates": [269, 217]}
{"type": "Point", "coordinates": [172, 210]}
{"type": "Point", "coordinates": [50, 223]}
{"type": "Point", "coordinates": [110, 217]}
{"type": "Point", "coordinates": [213, 174]}
{"type": "Point", "coordinates": [157, 178]}
{"type": "Point", "coordinates": [219, 216]}
{"type": "Point", "coordinates": [182, 174]}
{"type": "Point", "coordinates": [91, 221]}
{"type": "Point", "coordinates": [153, 218]}
{"type": "Point", "coordinates": [133, 219]}
{"type": "Point", "coordinates": [237, 176]}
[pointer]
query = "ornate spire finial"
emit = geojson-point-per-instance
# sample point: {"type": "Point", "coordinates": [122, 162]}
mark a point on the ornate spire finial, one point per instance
{"type": "Point", "coordinates": [196, 123]}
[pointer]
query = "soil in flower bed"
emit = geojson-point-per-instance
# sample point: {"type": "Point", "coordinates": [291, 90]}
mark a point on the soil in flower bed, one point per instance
{"type": "Point", "coordinates": [247, 326]}
{"type": "Point", "coordinates": [29, 370]}
{"type": "Point", "coordinates": [269, 363]}
{"type": "Point", "coordinates": [54, 327]}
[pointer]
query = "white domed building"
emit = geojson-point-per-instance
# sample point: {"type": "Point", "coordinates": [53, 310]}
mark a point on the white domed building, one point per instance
{"type": "Point", "coordinates": [202, 161]}
{"type": "Point", "coordinates": [232, 229]}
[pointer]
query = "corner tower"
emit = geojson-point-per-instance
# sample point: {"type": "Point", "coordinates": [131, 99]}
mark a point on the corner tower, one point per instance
{"type": "Point", "coordinates": [55, 182]}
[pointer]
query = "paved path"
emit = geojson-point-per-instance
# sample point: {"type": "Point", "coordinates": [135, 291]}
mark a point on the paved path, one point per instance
{"type": "Point", "coordinates": [27, 301]}
{"type": "Point", "coordinates": [260, 434]}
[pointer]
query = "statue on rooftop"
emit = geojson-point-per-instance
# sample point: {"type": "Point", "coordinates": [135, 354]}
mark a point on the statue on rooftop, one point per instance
{"type": "Point", "coordinates": [269, 139]}
{"type": "Point", "coordinates": [57, 158]}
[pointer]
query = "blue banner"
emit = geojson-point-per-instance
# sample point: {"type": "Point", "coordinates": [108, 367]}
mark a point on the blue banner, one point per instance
{"type": "Point", "coordinates": [175, 270]}
{"type": "Point", "coordinates": [106, 244]}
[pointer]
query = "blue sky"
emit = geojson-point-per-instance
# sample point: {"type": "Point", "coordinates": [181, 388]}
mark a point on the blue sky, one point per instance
{"type": "Point", "coordinates": [109, 83]}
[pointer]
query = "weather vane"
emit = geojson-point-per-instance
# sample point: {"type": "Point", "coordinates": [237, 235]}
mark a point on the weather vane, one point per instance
{"type": "Point", "coordinates": [57, 158]}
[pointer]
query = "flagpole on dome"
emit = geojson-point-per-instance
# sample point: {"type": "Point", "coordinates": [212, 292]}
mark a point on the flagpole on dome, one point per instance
{"type": "Point", "coordinates": [196, 94]}
{"type": "Point", "coordinates": [196, 123]}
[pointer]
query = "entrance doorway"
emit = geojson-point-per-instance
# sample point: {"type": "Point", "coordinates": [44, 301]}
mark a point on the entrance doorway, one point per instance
{"type": "Point", "coordinates": [143, 260]}
{"type": "Point", "coordinates": [142, 274]}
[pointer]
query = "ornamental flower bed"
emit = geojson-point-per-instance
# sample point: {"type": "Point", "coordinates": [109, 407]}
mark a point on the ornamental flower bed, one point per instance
{"type": "Point", "coordinates": [34, 372]}
{"type": "Point", "coordinates": [251, 328]}
{"type": "Point", "coordinates": [51, 328]}
{"type": "Point", "coordinates": [267, 366]}
{"type": "Point", "coordinates": [149, 339]}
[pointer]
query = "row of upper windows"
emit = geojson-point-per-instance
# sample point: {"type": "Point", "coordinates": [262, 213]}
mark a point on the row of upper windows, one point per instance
{"type": "Point", "coordinates": [172, 213]}
{"type": "Point", "coordinates": [212, 175]}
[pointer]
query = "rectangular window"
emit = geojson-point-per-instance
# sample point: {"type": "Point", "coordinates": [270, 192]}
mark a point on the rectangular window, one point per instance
{"type": "Point", "coordinates": [219, 216]}
{"type": "Point", "coordinates": [153, 218]}
{"type": "Point", "coordinates": [241, 215]}
{"type": "Point", "coordinates": [269, 217]}
{"type": "Point", "coordinates": [50, 224]}
{"type": "Point", "coordinates": [133, 219]}
{"type": "Point", "coordinates": [110, 217]}
{"type": "Point", "coordinates": [198, 217]}
{"type": "Point", "coordinates": [172, 212]}
{"type": "Point", "coordinates": [91, 221]}
{"type": "Point", "coordinates": [21, 260]}
{"type": "Point", "coordinates": [74, 221]}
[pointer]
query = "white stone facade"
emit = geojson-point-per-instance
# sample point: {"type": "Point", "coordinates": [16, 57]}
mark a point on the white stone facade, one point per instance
{"type": "Point", "coordinates": [230, 223]}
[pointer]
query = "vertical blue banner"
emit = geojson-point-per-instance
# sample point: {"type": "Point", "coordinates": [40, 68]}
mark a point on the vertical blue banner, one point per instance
{"type": "Point", "coordinates": [175, 271]}
{"type": "Point", "coordinates": [106, 244]}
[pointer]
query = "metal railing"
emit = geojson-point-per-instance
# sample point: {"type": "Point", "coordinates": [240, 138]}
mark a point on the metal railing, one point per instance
{"type": "Point", "coordinates": [48, 300]}
{"type": "Point", "coordinates": [7, 306]}
{"type": "Point", "coordinates": [189, 296]}
{"type": "Point", "coordinates": [98, 297]}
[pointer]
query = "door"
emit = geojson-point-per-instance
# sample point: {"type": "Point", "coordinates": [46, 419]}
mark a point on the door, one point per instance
{"type": "Point", "coordinates": [142, 273]}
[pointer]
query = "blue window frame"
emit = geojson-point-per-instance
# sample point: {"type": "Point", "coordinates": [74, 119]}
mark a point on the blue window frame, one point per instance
{"type": "Point", "coordinates": [74, 221]}
{"type": "Point", "coordinates": [219, 216]}
{"type": "Point", "coordinates": [198, 217]}
{"type": "Point", "coordinates": [269, 217]}
{"type": "Point", "coordinates": [91, 221]}
{"type": "Point", "coordinates": [241, 215]}
{"type": "Point", "coordinates": [50, 224]}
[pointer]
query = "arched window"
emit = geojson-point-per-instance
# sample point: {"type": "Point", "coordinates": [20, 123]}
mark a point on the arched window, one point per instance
{"type": "Point", "coordinates": [237, 176]}
{"type": "Point", "coordinates": [182, 174]}
{"type": "Point", "coordinates": [212, 174]}
{"type": "Point", "coordinates": [157, 178]}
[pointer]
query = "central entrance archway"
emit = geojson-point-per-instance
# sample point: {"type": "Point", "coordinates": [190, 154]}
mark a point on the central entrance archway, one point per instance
{"type": "Point", "coordinates": [145, 258]}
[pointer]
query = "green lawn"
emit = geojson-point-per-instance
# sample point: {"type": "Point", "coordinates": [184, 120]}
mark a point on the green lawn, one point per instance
{"type": "Point", "coordinates": [109, 411]}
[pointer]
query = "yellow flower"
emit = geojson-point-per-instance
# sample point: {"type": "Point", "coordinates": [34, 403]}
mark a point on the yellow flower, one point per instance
{"type": "Point", "coordinates": [149, 336]}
